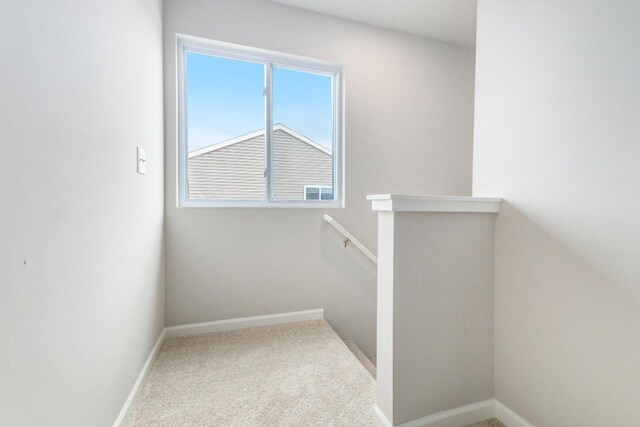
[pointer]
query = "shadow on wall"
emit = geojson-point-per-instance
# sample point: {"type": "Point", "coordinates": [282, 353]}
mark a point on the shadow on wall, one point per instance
{"type": "Point", "coordinates": [349, 251]}
{"type": "Point", "coordinates": [229, 263]}
{"type": "Point", "coordinates": [361, 273]}
{"type": "Point", "coordinates": [564, 331]}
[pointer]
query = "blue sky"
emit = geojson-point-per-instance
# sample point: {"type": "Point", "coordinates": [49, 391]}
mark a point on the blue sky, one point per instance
{"type": "Point", "coordinates": [225, 100]}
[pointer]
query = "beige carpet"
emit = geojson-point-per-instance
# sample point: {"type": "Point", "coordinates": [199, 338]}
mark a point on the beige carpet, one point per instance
{"type": "Point", "coordinates": [300, 374]}
{"type": "Point", "coordinates": [493, 422]}
{"type": "Point", "coordinates": [362, 358]}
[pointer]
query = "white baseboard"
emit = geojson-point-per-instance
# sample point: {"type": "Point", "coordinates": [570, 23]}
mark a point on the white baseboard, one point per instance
{"type": "Point", "coordinates": [204, 328]}
{"type": "Point", "coordinates": [508, 417]}
{"type": "Point", "coordinates": [244, 322]}
{"type": "Point", "coordinates": [137, 386]}
{"type": "Point", "coordinates": [457, 417]}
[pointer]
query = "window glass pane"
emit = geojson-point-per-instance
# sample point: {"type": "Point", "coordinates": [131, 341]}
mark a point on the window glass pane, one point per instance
{"type": "Point", "coordinates": [312, 193]}
{"type": "Point", "coordinates": [225, 128]}
{"type": "Point", "coordinates": [302, 133]}
{"type": "Point", "coordinates": [327, 193]}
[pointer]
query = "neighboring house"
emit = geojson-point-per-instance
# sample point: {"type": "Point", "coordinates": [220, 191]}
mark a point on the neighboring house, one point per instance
{"type": "Point", "coordinates": [234, 169]}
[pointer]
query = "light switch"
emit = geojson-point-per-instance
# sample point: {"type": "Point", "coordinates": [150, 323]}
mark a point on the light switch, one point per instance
{"type": "Point", "coordinates": [142, 161]}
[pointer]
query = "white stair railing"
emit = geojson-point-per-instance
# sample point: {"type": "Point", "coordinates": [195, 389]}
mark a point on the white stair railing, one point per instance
{"type": "Point", "coordinates": [350, 239]}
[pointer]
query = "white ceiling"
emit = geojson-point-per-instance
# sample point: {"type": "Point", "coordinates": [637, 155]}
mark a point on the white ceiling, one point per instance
{"type": "Point", "coordinates": [452, 21]}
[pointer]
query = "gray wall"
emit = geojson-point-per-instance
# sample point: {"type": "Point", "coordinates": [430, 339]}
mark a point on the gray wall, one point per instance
{"type": "Point", "coordinates": [81, 274]}
{"type": "Point", "coordinates": [237, 171]}
{"type": "Point", "coordinates": [557, 135]}
{"type": "Point", "coordinates": [296, 164]}
{"type": "Point", "coordinates": [409, 125]}
{"type": "Point", "coordinates": [232, 172]}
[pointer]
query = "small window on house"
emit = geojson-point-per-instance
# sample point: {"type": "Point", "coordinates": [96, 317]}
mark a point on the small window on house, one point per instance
{"type": "Point", "coordinates": [318, 192]}
{"type": "Point", "coordinates": [257, 128]}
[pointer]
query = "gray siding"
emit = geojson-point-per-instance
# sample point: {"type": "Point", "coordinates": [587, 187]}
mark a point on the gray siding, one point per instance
{"type": "Point", "coordinates": [296, 164]}
{"type": "Point", "coordinates": [236, 172]}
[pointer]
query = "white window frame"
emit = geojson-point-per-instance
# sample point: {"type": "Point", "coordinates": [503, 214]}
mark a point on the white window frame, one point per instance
{"type": "Point", "coordinates": [319, 187]}
{"type": "Point", "coordinates": [186, 44]}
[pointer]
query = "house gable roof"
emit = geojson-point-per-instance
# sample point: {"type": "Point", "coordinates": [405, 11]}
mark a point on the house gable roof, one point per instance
{"type": "Point", "coordinates": [247, 136]}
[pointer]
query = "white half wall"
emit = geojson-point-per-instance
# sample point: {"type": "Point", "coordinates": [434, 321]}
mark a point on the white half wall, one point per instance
{"type": "Point", "coordinates": [81, 233]}
{"type": "Point", "coordinates": [409, 123]}
{"type": "Point", "coordinates": [435, 314]}
{"type": "Point", "coordinates": [557, 134]}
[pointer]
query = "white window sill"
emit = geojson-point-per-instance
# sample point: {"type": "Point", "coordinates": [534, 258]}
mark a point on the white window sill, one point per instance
{"type": "Point", "coordinates": [333, 204]}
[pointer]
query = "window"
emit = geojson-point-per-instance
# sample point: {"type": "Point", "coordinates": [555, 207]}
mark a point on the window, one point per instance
{"type": "Point", "coordinates": [318, 192]}
{"type": "Point", "coordinates": [257, 128]}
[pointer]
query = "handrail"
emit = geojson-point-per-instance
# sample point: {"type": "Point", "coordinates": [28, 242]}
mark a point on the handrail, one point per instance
{"type": "Point", "coordinates": [350, 239]}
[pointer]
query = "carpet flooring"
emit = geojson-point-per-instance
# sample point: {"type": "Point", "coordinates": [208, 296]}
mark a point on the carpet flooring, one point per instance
{"type": "Point", "coordinates": [362, 358]}
{"type": "Point", "coordinates": [298, 374]}
{"type": "Point", "coordinates": [492, 422]}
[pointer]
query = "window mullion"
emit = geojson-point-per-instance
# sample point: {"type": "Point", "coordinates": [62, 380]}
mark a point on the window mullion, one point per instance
{"type": "Point", "coordinates": [268, 99]}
